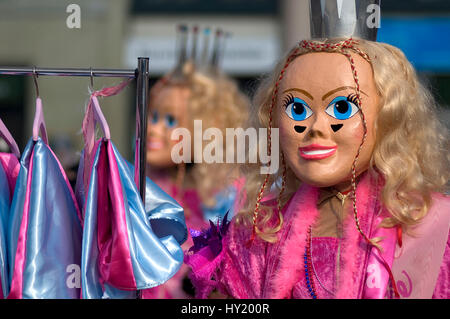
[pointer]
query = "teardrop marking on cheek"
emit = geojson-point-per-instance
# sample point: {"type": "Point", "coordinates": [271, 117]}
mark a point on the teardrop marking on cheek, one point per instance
{"type": "Point", "coordinates": [299, 128]}
{"type": "Point", "coordinates": [336, 127]}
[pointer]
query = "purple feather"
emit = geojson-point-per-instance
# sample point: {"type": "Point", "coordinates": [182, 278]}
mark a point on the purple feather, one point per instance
{"type": "Point", "coordinates": [211, 237]}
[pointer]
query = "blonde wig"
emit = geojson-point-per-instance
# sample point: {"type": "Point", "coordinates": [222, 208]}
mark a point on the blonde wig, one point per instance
{"type": "Point", "coordinates": [216, 100]}
{"type": "Point", "coordinates": [411, 148]}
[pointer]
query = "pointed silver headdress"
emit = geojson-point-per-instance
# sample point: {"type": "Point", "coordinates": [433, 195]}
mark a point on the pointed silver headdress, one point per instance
{"type": "Point", "coordinates": [189, 43]}
{"type": "Point", "coordinates": [345, 18]}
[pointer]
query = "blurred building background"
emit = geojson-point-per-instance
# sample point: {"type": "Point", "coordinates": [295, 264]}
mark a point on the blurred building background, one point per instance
{"type": "Point", "coordinates": [114, 33]}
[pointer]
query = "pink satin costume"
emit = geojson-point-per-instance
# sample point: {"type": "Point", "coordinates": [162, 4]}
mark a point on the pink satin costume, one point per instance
{"type": "Point", "coordinates": [420, 266]}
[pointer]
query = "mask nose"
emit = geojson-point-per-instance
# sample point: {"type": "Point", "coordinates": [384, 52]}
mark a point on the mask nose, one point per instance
{"type": "Point", "coordinates": [155, 127]}
{"type": "Point", "coordinates": [319, 126]}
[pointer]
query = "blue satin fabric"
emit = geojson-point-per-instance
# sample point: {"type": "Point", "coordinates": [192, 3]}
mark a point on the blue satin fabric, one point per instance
{"type": "Point", "coordinates": [166, 216]}
{"type": "Point", "coordinates": [5, 202]}
{"type": "Point", "coordinates": [53, 243]}
{"type": "Point", "coordinates": [154, 236]}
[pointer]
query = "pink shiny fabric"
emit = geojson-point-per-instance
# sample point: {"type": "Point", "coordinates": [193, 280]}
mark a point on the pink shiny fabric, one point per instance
{"type": "Point", "coordinates": [379, 264]}
{"type": "Point", "coordinates": [94, 115]}
{"type": "Point", "coordinates": [115, 264]}
{"type": "Point", "coordinates": [11, 167]}
{"type": "Point", "coordinates": [15, 291]}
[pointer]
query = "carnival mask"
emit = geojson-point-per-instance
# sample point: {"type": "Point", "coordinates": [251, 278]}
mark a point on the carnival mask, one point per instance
{"type": "Point", "coordinates": [320, 121]}
{"type": "Point", "coordinates": [167, 112]}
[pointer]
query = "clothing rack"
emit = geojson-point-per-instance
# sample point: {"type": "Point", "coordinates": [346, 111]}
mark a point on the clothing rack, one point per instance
{"type": "Point", "coordinates": [141, 74]}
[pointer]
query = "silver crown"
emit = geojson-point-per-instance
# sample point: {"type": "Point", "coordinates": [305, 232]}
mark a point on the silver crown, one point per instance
{"type": "Point", "coordinates": [345, 18]}
{"type": "Point", "coordinates": [208, 60]}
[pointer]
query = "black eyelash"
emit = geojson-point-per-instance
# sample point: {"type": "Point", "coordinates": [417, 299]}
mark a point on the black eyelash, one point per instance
{"type": "Point", "coordinates": [353, 98]}
{"type": "Point", "coordinates": [288, 100]}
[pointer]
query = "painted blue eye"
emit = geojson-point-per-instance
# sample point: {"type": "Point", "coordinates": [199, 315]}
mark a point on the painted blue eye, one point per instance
{"type": "Point", "coordinates": [297, 109]}
{"type": "Point", "coordinates": [342, 108]}
{"type": "Point", "coordinates": [170, 121]}
{"type": "Point", "coordinates": [154, 117]}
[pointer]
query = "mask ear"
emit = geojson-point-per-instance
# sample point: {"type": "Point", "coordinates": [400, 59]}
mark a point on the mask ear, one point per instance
{"type": "Point", "coordinates": [299, 128]}
{"type": "Point", "coordinates": [336, 127]}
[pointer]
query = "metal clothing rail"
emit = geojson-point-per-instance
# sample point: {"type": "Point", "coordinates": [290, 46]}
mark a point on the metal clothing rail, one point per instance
{"type": "Point", "coordinates": [141, 74]}
{"type": "Point", "coordinates": [68, 72]}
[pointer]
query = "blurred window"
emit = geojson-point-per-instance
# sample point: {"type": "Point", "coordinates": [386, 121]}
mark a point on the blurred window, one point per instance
{"type": "Point", "coordinates": [12, 104]}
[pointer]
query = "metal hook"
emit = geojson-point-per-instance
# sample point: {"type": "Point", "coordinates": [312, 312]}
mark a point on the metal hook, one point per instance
{"type": "Point", "coordinates": [92, 80]}
{"type": "Point", "coordinates": [35, 76]}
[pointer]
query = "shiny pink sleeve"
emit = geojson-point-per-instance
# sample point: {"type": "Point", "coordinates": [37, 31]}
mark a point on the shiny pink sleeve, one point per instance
{"type": "Point", "coordinates": [442, 289]}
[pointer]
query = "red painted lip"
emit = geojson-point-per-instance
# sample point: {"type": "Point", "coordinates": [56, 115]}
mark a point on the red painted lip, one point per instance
{"type": "Point", "coordinates": [316, 151]}
{"type": "Point", "coordinates": [154, 144]}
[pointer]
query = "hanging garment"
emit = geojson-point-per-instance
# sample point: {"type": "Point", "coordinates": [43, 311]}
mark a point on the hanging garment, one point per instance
{"type": "Point", "coordinates": [44, 229]}
{"type": "Point", "coordinates": [199, 217]}
{"type": "Point", "coordinates": [9, 169]}
{"type": "Point", "coordinates": [125, 248]}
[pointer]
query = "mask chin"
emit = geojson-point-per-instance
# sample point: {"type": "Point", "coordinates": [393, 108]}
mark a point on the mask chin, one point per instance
{"type": "Point", "coordinates": [159, 161]}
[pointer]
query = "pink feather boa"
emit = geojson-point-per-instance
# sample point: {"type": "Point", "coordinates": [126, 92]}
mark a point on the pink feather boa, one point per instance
{"type": "Point", "coordinates": [286, 262]}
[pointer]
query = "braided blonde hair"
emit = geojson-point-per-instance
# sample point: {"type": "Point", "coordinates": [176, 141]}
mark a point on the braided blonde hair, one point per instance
{"type": "Point", "coordinates": [411, 144]}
